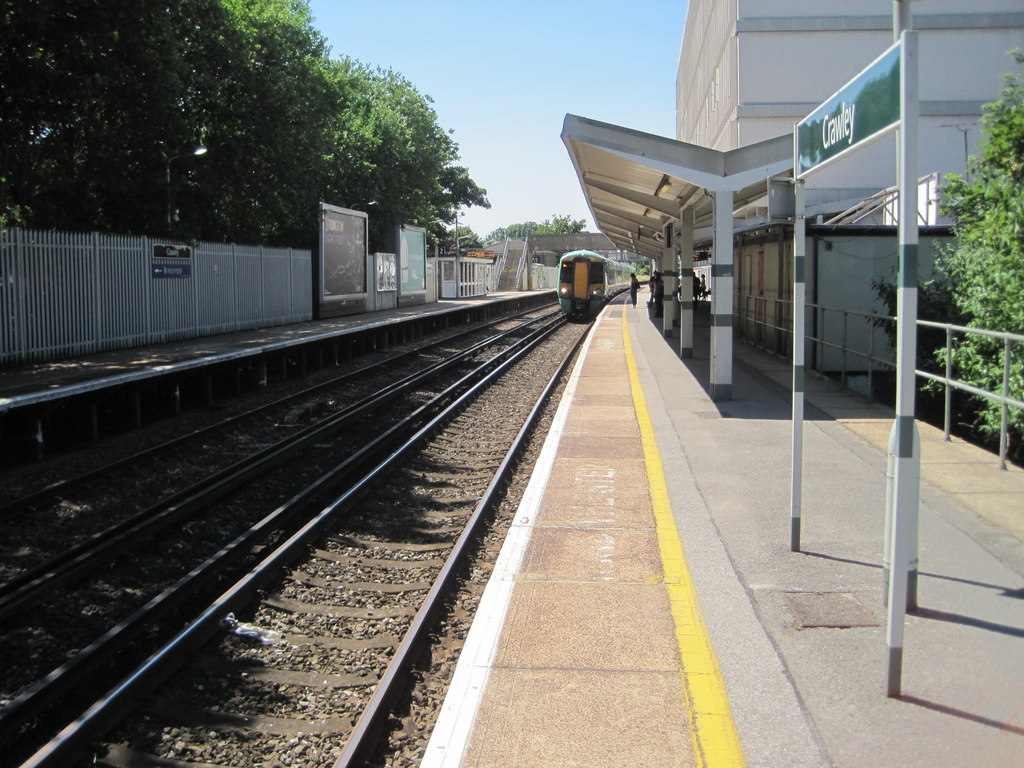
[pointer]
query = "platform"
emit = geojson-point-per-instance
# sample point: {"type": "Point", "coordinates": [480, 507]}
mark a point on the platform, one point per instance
{"type": "Point", "coordinates": [34, 383]}
{"type": "Point", "coordinates": [646, 609]}
{"type": "Point", "coordinates": [46, 407]}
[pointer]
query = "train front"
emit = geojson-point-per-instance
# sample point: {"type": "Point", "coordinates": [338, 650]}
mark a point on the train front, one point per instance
{"type": "Point", "coordinates": [581, 284]}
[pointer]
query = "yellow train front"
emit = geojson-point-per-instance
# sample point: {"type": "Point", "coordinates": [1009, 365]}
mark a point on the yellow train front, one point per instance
{"type": "Point", "coordinates": [582, 284]}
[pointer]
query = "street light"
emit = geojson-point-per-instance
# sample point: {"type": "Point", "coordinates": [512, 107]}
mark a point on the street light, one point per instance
{"type": "Point", "coordinates": [963, 128]}
{"type": "Point", "coordinates": [200, 150]}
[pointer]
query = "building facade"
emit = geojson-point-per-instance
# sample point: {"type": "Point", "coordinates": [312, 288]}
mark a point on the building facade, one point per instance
{"type": "Point", "coordinates": [750, 69]}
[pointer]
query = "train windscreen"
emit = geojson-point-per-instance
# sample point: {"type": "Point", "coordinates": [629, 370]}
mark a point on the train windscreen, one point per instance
{"type": "Point", "coordinates": [565, 273]}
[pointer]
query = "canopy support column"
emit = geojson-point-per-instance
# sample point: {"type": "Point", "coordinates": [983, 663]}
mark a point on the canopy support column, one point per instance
{"type": "Point", "coordinates": [686, 218]}
{"type": "Point", "coordinates": [721, 298]}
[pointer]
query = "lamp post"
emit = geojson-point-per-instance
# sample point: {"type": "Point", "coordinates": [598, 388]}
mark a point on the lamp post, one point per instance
{"type": "Point", "coordinates": [200, 150]}
{"type": "Point", "coordinates": [458, 273]}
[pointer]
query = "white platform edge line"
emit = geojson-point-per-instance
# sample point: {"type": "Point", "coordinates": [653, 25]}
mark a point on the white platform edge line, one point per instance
{"type": "Point", "coordinates": [454, 726]}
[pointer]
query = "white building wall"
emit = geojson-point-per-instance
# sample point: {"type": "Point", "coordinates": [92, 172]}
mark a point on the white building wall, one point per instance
{"type": "Point", "coordinates": [750, 69]}
{"type": "Point", "coordinates": [706, 82]}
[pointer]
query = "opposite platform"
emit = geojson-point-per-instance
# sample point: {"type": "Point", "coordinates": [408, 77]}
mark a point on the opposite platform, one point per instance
{"type": "Point", "coordinates": [40, 382]}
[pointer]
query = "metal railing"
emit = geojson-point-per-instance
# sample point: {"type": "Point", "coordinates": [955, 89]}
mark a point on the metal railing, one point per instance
{"type": "Point", "coordinates": [949, 383]}
{"type": "Point", "coordinates": [523, 258]}
{"type": "Point", "coordinates": [854, 347]}
{"type": "Point", "coordinates": [494, 283]}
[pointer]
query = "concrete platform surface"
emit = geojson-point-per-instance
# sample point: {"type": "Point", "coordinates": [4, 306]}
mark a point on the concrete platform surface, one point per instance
{"type": "Point", "coordinates": [583, 653]}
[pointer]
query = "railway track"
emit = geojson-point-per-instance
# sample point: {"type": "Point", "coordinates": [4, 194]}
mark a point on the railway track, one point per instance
{"type": "Point", "coordinates": [62, 517]}
{"type": "Point", "coordinates": [365, 575]}
{"type": "Point", "coordinates": [29, 489]}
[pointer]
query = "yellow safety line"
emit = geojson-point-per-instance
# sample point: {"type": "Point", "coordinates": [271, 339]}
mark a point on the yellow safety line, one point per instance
{"type": "Point", "coordinates": [715, 740]}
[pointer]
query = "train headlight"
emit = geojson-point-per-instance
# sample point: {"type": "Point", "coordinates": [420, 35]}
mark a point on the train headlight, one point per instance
{"type": "Point", "coordinates": [597, 292]}
{"type": "Point", "coordinates": [564, 291]}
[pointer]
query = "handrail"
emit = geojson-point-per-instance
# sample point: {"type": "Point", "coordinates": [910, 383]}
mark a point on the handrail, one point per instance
{"type": "Point", "coordinates": [781, 329]}
{"type": "Point", "coordinates": [522, 264]}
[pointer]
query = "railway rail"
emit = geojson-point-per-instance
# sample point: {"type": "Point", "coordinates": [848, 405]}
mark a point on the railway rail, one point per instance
{"type": "Point", "coordinates": [64, 517]}
{"type": "Point", "coordinates": [28, 487]}
{"type": "Point", "coordinates": [357, 566]}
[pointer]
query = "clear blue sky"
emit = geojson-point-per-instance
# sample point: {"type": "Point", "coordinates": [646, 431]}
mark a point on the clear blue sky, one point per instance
{"type": "Point", "coordinates": [503, 75]}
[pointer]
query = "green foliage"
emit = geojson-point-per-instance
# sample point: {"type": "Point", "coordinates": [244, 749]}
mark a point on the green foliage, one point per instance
{"type": "Point", "coordinates": [561, 225]}
{"type": "Point", "coordinates": [89, 109]}
{"type": "Point", "coordinates": [469, 240]}
{"type": "Point", "coordinates": [97, 97]}
{"type": "Point", "coordinates": [556, 225]}
{"type": "Point", "coordinates": [406, 161]}
{"type": "Point", "coordinates": [986, 269]}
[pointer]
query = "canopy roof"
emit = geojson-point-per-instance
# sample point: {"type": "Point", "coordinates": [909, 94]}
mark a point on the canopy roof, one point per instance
{"type": "Point", "coordinates": [635, 182]}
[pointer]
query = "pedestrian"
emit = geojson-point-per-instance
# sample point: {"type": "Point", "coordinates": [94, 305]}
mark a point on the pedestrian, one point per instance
{"type": "Point", "coordinates": [659, 295]}
{"type": "Point", "coordinates": [634, 286]}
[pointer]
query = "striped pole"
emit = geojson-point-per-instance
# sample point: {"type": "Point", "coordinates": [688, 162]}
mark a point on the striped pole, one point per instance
{"type": "Point", "coordinates": [799, 301]}
{"type": "Point", "coordinates": [904, 439]}
{"type": "Point", "coordinates": [721, 299]}
{"type": "Point", "coordinates": [686, 218]}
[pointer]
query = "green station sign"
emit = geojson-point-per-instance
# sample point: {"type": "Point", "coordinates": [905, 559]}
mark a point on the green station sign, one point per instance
{"type": "Point", "coordinates": [865, 109]}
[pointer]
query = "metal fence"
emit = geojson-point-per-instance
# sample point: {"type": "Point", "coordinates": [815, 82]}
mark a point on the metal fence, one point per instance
{"type": "Point", "coordinates": [949, 383]}
{"type": "Point", "coordinates": [63, 295]}
{"type": "Point", "coordinates": [543, 278]}
{"type": "Point", "coordinates": [848, 343]}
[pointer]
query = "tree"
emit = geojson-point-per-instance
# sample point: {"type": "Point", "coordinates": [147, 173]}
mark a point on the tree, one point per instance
{"type": "Point", "coordinates": [556, 225]}
{"type": "Point", "coordinates": [91, 112]}
{"type": "Point", "coordinates": [266, 103]}
{"type": "Point", "coordinates": [561, 225]}
{"type": "Point", "coordinates": [467, 240]}
{"type": "Point", "coordinates": [393, 151]}
{"type": "Point", "coordinates": [985, 270]}
{"type": "Point", "coordinates": [97, 96]}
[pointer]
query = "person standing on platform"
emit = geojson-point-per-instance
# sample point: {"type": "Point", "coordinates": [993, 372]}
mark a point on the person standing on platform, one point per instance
{"type": "Point", "coordinates": [659, 295]}
{"type": "Point", "coordinates": [634, 286]}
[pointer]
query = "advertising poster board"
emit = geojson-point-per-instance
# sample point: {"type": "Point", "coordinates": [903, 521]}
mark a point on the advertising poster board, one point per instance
{"type": "Point", "coordinates": [343, 252]}
{"type": "Point", "coordinates": [412, 264]}
{"type": "Point", "coordinates": [386, 279]}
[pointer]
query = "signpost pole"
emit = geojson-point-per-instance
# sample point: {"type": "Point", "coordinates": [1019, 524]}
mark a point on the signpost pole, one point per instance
{"type": "Point", "coordinates": [854, 115]}
{"type": "Point", "coordinates": [864, 110]}
{"type": "Point", "coordinates": [799, 300]}
{"type": "Point", "coordinates": [904, 439]}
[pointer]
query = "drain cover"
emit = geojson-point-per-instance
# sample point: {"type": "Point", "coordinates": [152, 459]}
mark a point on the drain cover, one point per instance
{"type": "Point", "coordinates": [837, 610]}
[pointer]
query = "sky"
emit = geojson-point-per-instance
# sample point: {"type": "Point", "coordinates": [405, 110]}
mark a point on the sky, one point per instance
{"type": "Point", "coordinates": [503, 75]}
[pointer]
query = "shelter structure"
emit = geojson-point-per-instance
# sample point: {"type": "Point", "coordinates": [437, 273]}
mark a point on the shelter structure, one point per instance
{"type": "Point", "coordinates": [749, 70]}
{"type": "Point", "coordinates": [650, 194]}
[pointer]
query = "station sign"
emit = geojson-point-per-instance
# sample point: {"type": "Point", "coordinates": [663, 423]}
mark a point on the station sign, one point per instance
{"type": "Point", "coordinates": [172, 252]}
{"type": "Point", "coordinates": [864, 110]}
{"type": "Point", "coordinates": [172, 270]}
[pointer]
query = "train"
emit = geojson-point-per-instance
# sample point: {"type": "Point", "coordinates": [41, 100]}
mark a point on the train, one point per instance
{"type": "Point", "coordinates": [586, 282]}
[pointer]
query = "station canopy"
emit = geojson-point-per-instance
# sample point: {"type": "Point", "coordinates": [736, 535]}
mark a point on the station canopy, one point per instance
{"type": "Point", "coordinates": [636, 183]}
